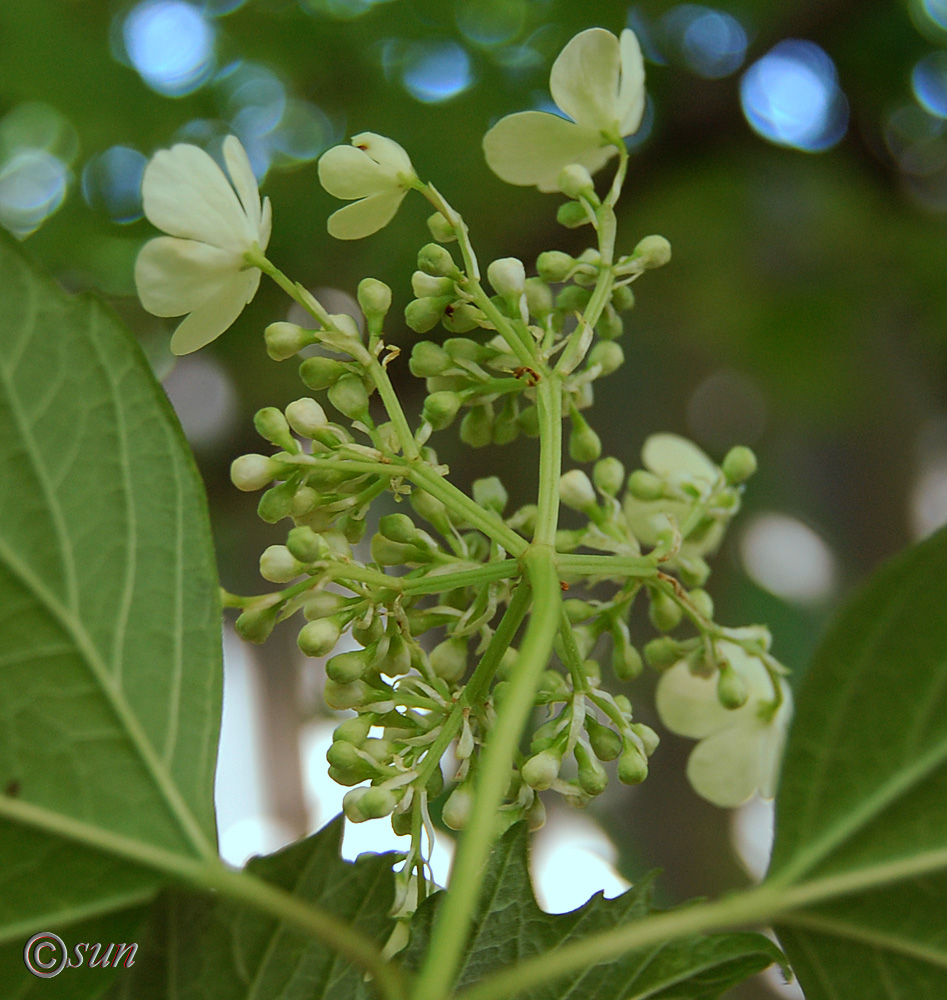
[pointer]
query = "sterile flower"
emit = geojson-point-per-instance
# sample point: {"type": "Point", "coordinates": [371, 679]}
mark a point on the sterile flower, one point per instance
{"type": "Point", "coordinates": [598, 81]}
{"type": "Point", "coordinates": [199, 268]}
{"type": "Point", "coordinates": [740, 748]}
{"type": "Point", "coordinates": [376, 171]}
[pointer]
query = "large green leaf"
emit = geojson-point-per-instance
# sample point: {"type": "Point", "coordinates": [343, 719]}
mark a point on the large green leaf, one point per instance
{"type": "Point", "coordinates": [510, 928]}
{"type": "Point", "coordinates": [206, 948]}
{"type": "Point", "coordinates": [863, 801]}
{"type": "Point", "coordinates": [109, 618]}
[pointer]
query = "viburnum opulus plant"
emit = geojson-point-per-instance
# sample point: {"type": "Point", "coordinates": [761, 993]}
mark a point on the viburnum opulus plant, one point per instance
{"type": "Point", "coordinates": [492, 633]}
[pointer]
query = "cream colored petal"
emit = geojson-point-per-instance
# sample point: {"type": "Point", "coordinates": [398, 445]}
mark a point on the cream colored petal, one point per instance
{"type": "Point", "coordinates": [209, 320]}
{"type": "Point", "coordinates": [385, 152]}
{"type": "Point", "coordinates": [728, 767]}
{"type": "Point", "coordinates": [631, 91]}
{"type": "Point", "coordinates": [532, 147]}
{"type": "Point", "coordinates": [348, 172]}
{"type": "Point", "coordinates": [688, 705]}
{"type": "Point", "coordinates": [675, 457]}
{"type": "Point", "coordinates": [187, 195]}
{"type": "Point", "coordinates": [175, 276]}
{"type": "Point", "coordinates": [362, 218]}
{"type": "Point", "coordinates": [585, 77]}
{"type": "Point", "coordinates": [244, 180]}
{"type": "Point", "coordinates": [266, 223]}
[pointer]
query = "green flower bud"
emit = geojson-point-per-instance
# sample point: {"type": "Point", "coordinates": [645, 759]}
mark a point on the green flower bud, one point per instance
{"type": "Point", "coordinates": [344, 668]}
{"type": "Point", "coordinates": [462, 317]}
{"type": "Point", "coordinates": [662, 653]}
{"type": "Point", "coordinates": [536, 815]}
{"type": "Point", "coordinates": [323, 604]}
{"type": "Point", "coordinates": [426, 286]}
{"type": "Point", "coordinates": [609, 325]}
{"type": "Point", "coordinates": [341, 696]}
{"type": "Point", "coordinates": [436, 261]}
{"type": "Point", "coordinates": [431, 509]}
{"type": "Point", "coordinates": [541, 770]}
{"type": "Point", "coordinates": [507, 276]}
{"type": "Point", "coordinates": [344, 755]}
{"type": "Point", "coordinates": [490, 494]}
{"type": "Point", "coordinates": [253, 472]}
{"type": "Point", "coordinates": [353, 730]}
{"type": "Point", "coordinates": [283, 340]}
{"type": "Point", "coordinates": [370, 632]}
{"type": "Point", "coordinates": [351, 805]}
{"type": "Point", "coordinates": [320, 373]}
{"type": "Point", "coordinates": [349, 397]}
{"type": "Point", "coordinates": [506, 426]}
{"type": "Point", "coordinates": [425, 313]}
{"type": "Point", "coordinates": [732, 691]}
{"type": "Point", "coordinates": [440, 228]}
{"type": "Point", "coordinates": [623, 298]}
{"type": "Point", "coordinates": [256, 624]}
{"type": "Point", "coordinates": [374, 298]}
{"type": "Point", "coordinates": [554, 265]}
{"type": "Point", "coordinates": [608, 355]}
{"type": "Point", "coordinates": [569, 541]}
{"type": "Point", "coordinates": [739, 464]}
{"type": "Point", "coordinates": [693, 570]}
{"type": "Point", "coordinates": [306, 545]}
{"type": "Point", "coordinates": [388, 553]}
{"type": "Point", "coordinates": [592, 776]}
{"type": "Point", "coordinates": [651, 252]}
{"type": "Point", "coordinates": [584, 444]}
{"type": "Point", "coordinates": [703, 602]}
{"type": "Point", "coordinates": [399, 528]}
{"type": "Point", "coordinates": [440, 408]}
{"type": "Point", "coordinates": [665, 613]}
{"type": "Point", "coordinates": [449, 659]}
{"type": "Point", "coordinates": [476, 428]}
{"type": "Point", "coordinates": [428, 359]}
{"type": "Point", "coordinates": [608, 475]}
{"type": "Point", "coordinates": [466, 349]}
{"type": "Point", "coordinates": [626, 660]}
{"type": "Point", "coordinates": [318, 638]}
{"type": "Point", "coordinates": [529, 421]}
{"type": "Point", "coordinates": [591, 668]}
{"type": "Point", "coordinates": [539, 299]}
{"type": "Point", "coordinates": [578, 611]}
{"type": "Point", "coordinates": [277, 502]}
{"type": "Point", "coordinates": [576, 492]}
{"type": "Point", "coordinates": [575, 180]}
{"type": "Point", "coordinates": [279, 565]}
{"type": "Point", "coordinates": [572, 215]}
{"type": "Point", "coordinates": [435, 783]}
{"type": "Point", "coordinates": [632, 766]}
{"type": "Point", "coordinates": [605, 742]}
{"type": "Point", "coordinates": [401, 823]}
{"type": "Point", "coordinates": [457, 808]}
{"type": "Point", "coordinates": [377, 802]}
{"type": "Point", "coordinates": [306, 417]}
{"type": "Point", "coordinates": [648, 737]}
{"type": "Point", "coordinates": [572, 298]}
{"type": "Point", "coordinates": [644, 485]}
{"type": "Point", "coordinates": [397, 659]}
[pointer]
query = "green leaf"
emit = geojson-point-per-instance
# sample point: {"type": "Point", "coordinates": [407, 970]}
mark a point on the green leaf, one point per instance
{"type": "Point", "coordinates": [510, 927]}
{"type": "Point", "coordinates": [862, 808]}
{"type": "Point", "coordinates": [206, 948]}
{"type": "Point", "coordinates": [110, 666]}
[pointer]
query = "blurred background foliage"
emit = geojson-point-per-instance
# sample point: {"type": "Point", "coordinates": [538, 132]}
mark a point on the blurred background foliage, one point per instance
{"type": "Point", "coordinates": [795, 155]}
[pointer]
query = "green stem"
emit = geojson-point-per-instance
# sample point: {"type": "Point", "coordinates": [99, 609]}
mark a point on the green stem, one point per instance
{"type": "Point", "coordinates": [437, 583]}
{"type": "Point", "coordinates": [389, 398]}
{"type": "Point", "coordinates": [549, 404]}
{"type": "Point", "coordinates": [452, 926]}
{"type": "Point", "coordinates": [624, 566]}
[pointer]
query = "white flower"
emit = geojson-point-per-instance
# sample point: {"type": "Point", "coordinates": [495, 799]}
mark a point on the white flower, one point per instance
{"type": "Point", "coordinates": [598, 81]}
{"type": "Point", "coordinates": [740, 748]}
{"type": "Point", "coordinates": [376, 171]}
{"type": "Point", "coordinates": [212, 221]}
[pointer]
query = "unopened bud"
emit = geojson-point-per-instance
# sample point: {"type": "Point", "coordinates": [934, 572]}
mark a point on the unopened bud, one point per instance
{"type": "Point", "coordinates": [253, 472]}
{"type": "Point", "coordinates": [662, 653]}
{"type": "Point", "coordinates": [539, 299]}
{"type": "Point", "coordinates": [436, 261]}
{"type": "Point", "coordinates": [652, 251]}
{"type": "Point", "coordinates": [318, 638]}
{"type": "Point", "coordinates": [462, 317]}
{"type": "Point", "coordinates": [425, 313]}
{"type": "Point", "coordinates": [575, 180]}
{"type": "Point", "coordinates": [457, 808]}
{"type": "Point", "coordinates": [610, 325]}
{"type": "Point", "coordinates": [320, 373]}
{"type": "Point", "coordinates": [632, 766]}
{"type": "Point", "coordinates": [623, 298]}
{"type": "Point", "coordinates": [279, 565]}
{"type": "Point", "coordinates": [608, 475]}
{"type": "Point", "coordinates": [575, 490]}
{"type": "Point", "coordinates": [572, 215]}
{"type": "Point", "coordinates": [584, 444]}
{"type": "Point", "coordinates": [665, 613]}
{"type": "Point", "coordinates": [374, 298]}
{"type": "Point", "coordinates": [644, 485]}
{"type": "Point", "coordinates": [554, 265]}
{"type": "Point", "coordinates": [349, 397]}
{"type": "Point", "coordinates": [353, 730]}
{"type": "Point", "coordinates": [426, 285]}
{"type": "Point", "coordinates": [739, 464]}
{"type": "Point", "coordinates": [542, 770]}
{"type": "Point", "coordinates": [731, 688]}
{"type": "Point", "coordinates": [449, 659]}
{"type": "Point", "coordinates": [306, 417]}
{"type": "Point", "coordinates": [283, 340]}
{"type": "Point", "coordinates": [428, 359]}
{"type": "Point", "coordinates": [605, 742]}
{"type": "Point", "coordinates": [440, 408]}
{"type": "Point", "coordinates": [272, 426]}
{"type": "Point", "coordinates": [490, 494]}
{"type": "Point", "coordinates": [608, 355]}
{"type": "Point", "coordinates": [507, 276]}
{"type": "Point", "coordinates": [476, 428]}
{"type": "Point", "coordinates": [592, 776]}
{"type": "Point", "coordinates": [440, 228]}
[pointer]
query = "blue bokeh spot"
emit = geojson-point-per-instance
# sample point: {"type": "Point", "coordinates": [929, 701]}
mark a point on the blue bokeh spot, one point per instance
{"type": "Point", "coordinates": [170, 44]}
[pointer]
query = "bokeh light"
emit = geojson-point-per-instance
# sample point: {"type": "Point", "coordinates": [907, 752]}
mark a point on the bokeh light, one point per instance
{"type": "Point", "coordinates": [712, 43]}
{"type": "Point", "coordinates": [791, 97]}
{"type": "Point", "coordinates": [727, 408]}
{"type": "Point", "coordinates": [934, 12]}
{"type": "Point", "coordinates": [436, 71]}
{"type": "Point", "coordinates": [32, 186]}
{"type": "Point", "coordinates": [111, 183]}
{"type": "Point", "coordinates": [929, 83]}
{"type": "Point", "coordinates": [787, 558]}
{"type": "Point", "coordinates": [171, 45]}
{"type": "Point", "coordinates": [490, 22]}
{"type": "Point", "coordinates": [204, 398]}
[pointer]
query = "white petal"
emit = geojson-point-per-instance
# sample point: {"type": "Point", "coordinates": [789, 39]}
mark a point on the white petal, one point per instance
{"type": "Point", "coordinates": [186, 194]}
{"type": "Point", "coordinates": [362, 218]}
{"type": "Point", "coordinates": [532, 147]}
{"type": "Point", "coordinates": [209, 320]}
{"type": "Point", "coordinates": [385, 152]}
{"type": "Point", "coordinates": [688, 705]}
{"type": "Point", "coordinates": [675, 457]}
{"type": "Point", "coordinates": [584, 79]}
{"type": "Point", "coordinates": [244, 180]}
{"type": "Point", "coordinates": [729, 766]}
{"type": "Point", "coordinates": [349, 172]}
{"type": "Point", "coordinates": [266, 224]}
{"type": "Point", "coordinates": [175, 276]}
{"type": "Point", "coordinates": [631, 92]}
